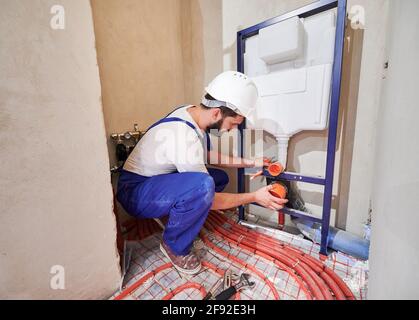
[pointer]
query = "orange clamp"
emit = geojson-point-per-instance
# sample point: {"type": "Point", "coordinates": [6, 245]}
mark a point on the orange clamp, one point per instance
{"type": "Point", "coordinates": [275, 169]}
{"type": "Point", "coordinates": [279, 191]}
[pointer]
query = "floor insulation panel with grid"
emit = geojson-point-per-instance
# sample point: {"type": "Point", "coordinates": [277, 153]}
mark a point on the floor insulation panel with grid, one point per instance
{"type": "Point", "coordinates": [283, 266]}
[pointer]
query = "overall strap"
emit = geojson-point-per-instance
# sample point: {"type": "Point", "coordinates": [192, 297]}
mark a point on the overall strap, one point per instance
{"type": "Point", "coordinates": [168, 120]}
{"type": "Point", "coordinates": [176, 109]}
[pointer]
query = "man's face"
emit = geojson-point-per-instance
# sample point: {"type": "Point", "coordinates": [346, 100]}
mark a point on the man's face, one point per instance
{"type": "Point", "coordinates": [226, 125]}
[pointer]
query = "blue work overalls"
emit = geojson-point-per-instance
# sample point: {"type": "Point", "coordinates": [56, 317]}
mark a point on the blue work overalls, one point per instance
{"type": "Point", "coordinates": [185, 197]}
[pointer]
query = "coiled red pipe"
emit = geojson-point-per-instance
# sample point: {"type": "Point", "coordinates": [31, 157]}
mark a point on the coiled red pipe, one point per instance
{"type": "Point", "coordinates": [329, 275]}
{"type": "Point", "coordinates": [141, 281]}
{"type": "Point", "coordinates": [189, 285]}
{"type": "Point", "coordinates": [313, 272]}
{"type": "Point", "coordinates": [315, 279]}
{"type": "Point", "coordinates": [281, 261]}
{"type": "Point", "coordinates": [242, 263]}
{"type": "Point", "coordinates": [176, 291]}
{"type": "Point", "coordinates": [319, 289]}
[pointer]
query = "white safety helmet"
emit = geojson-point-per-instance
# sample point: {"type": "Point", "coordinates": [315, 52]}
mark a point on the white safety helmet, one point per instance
{"type": "Point", "coordinates": [233, 90]}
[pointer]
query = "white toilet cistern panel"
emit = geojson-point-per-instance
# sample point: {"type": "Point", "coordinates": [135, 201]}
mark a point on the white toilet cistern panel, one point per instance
{"type": "Point", "coordinates": [291, 63]}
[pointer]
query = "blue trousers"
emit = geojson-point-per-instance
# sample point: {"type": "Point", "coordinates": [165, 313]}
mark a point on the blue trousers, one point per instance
{"type": "Point", "coordinates": [185, 197]}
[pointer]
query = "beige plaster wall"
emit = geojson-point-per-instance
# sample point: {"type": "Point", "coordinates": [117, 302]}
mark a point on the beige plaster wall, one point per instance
{"type": "Point", "coordinates": [140, 59]}
{"type": "Point", "coordinates": [154, 55]}
{"type": "Point", "coordinates": [55, 190]}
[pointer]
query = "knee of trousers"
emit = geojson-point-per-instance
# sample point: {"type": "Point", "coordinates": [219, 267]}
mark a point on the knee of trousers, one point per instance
{"type": "Point", "coordinates": [204, 187]}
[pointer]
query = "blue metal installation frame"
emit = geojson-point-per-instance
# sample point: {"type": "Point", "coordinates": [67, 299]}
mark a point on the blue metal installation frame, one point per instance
{"type": "Point", "coordinates": [327, 181]}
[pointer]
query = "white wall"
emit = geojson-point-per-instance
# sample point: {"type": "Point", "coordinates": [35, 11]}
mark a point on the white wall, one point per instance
{"type": "Point", "coordinates": [55, 191]}
{"type": "Point", "coordinates": [371, 80]}
{"type": "Point", "coordinates": [395, 238]}
{"type": "Point", "coordinates": [239, 14]}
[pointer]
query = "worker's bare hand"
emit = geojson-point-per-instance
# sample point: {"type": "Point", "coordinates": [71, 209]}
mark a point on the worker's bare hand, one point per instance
{"type": "Point", "coordinates": [261, 162]}
{"type": "Point", "coordinates": [267, 200]}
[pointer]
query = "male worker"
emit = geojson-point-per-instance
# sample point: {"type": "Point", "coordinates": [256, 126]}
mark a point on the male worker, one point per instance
{"type": "Point", "coordinates": [166, 174]}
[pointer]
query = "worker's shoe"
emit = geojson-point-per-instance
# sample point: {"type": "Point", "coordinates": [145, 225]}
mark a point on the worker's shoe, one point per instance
{"type": "Point", "coordinates": [199, 248]}
{"type": "Point", "coordinates": [189, 264]}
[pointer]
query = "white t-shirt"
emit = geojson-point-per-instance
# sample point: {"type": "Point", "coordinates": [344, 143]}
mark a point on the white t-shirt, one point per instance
{"type": "Point", "coordinates": [169, 147]}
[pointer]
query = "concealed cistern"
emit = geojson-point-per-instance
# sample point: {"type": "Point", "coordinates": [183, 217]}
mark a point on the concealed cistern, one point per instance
{"type": "Point", "coordinates": [293, 76]}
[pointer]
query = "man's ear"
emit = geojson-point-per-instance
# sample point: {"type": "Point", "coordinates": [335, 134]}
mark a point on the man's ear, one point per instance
{"type": "Point", "coordinates": [216, 114]}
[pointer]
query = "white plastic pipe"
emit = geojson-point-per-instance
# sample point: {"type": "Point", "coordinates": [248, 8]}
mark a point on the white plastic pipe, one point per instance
{"type": "Point", "coordinates": [283, 141]}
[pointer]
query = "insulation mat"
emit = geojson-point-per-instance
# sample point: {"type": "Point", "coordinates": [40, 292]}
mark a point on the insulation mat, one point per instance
{"type": "Point", "coordinates": [283, 266]}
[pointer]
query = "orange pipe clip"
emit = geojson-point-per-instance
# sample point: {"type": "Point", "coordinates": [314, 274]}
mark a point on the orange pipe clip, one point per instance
{"type": "Point", "coordinates": [275, 169]}
{"type": "Point", "coordinates": [279, 190]}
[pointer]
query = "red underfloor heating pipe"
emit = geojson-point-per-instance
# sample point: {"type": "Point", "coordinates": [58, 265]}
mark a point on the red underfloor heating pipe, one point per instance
{"type": "Point", "coordinates": [325, 279]}
{"type": "Point", "coordinates": [315, 279]}
{"type": "Point", "coordinates": [279, 191]}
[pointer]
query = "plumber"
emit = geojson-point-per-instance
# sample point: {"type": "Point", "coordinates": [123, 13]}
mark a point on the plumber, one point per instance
{"type": "Point", "coordinates": [166, 174]}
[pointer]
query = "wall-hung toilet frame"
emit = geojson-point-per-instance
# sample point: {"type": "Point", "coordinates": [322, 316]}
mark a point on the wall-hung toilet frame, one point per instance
{"type": "Point", "coordinates": [327, 181]}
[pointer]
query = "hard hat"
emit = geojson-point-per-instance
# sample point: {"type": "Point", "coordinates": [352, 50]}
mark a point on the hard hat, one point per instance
{"type": "Point", "coordinates": [233, 90]}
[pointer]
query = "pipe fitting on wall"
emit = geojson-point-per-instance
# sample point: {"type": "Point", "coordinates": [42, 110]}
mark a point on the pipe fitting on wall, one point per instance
{"type": "Point", "coordinates": [136, 135]}
{"type": "Point", "coordinates": [283, 141]}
